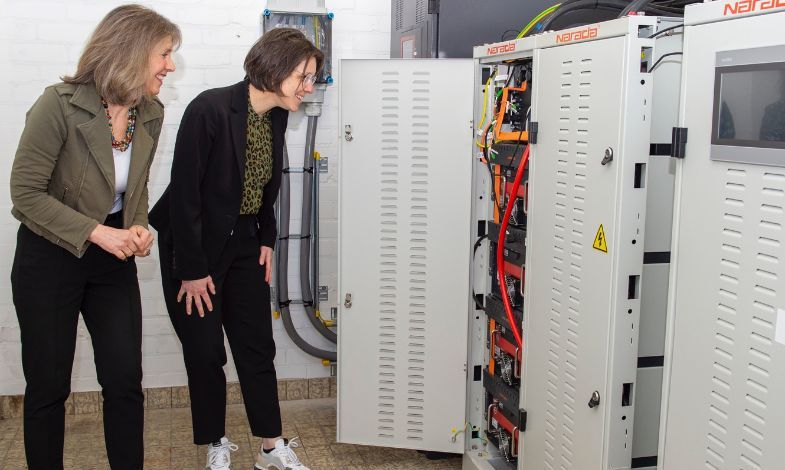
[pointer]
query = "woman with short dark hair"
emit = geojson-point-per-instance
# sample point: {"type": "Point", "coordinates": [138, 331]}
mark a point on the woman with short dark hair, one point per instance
{"type": "Point", "coordinates": [217, 233]}
{"type": "Point", "coordinates": [79, 187]}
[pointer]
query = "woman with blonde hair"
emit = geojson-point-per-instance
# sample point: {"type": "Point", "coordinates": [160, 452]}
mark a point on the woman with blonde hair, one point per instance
{"type": "Point", "coordinates": [79, 188]}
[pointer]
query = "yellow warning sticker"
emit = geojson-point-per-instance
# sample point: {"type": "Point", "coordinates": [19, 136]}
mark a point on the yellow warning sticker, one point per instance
{"type": "Point", "coordinates": [600, 243]}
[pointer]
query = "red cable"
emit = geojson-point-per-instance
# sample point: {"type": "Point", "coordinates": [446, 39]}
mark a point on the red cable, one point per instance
{"type": "Point", "coordinates": [500, 246]}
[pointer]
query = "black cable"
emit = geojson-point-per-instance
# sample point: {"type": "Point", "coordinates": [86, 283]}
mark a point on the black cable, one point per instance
{"type": "Point", "coordinates": [663, 31]}
{"type": "Point", "coordinates": [474, 253]}
{"type": "Point", "coordinates": [478, 243]}
{"type": "Point", "coordinates": [566, 7]}
{"type": "Point", "coordinates": [658, 8]}
{"type": "Point", "coordinates": [575, 5]}
{"type": "Point", "coordinates": [514, 152]}
{"type": "Point", "coordinates": [636, 5]}
{"type": "Point", "coordinates": [648, 6]}
{"type": "Point", "coordinates": [660, 60]}
{"type": "Point", "coordinates": [490, 170]}
{"type": "Point", "coordinates": [675, 3]}
{"type": "Point", "coordinates": [514, 31]}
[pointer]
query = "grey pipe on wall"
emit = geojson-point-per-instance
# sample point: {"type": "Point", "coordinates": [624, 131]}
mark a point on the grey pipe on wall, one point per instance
{"type": "Point", "coordinates": [309, 237]}
{"type": "Point", "coordinates": [282, 269]}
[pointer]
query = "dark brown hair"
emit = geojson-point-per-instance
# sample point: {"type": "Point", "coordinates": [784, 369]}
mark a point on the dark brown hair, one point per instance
{"type": "Point", "coordinates": [117, 55]}
{"type": "Point", "coordinates": [275, 55]}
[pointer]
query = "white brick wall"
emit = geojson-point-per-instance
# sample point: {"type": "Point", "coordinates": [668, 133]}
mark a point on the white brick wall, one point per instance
{"type": "Point", "coordinates": [42, 40]}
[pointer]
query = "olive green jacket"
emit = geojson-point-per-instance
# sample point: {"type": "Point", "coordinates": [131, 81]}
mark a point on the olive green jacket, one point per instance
{"type": "Point", "coordinates": [62, 179]}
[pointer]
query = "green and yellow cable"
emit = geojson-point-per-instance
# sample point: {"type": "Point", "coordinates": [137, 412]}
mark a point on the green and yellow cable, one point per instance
{"type": "Point", "coordinates": [537, 19]}
{"type": "Point", "coordinates": [485, 106]}
{"type": "Point", "coordinates": [467, 425]}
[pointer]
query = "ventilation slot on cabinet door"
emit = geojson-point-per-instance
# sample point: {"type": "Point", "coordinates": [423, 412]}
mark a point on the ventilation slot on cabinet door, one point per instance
{"type": "Point", "coordinates": [398, 12]}
{"type": "Point", "coordinates": [389, 262]}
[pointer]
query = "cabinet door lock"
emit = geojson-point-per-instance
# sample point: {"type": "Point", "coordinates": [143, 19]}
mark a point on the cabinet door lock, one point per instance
{"type": "Point", "coordinates": [594, 401]}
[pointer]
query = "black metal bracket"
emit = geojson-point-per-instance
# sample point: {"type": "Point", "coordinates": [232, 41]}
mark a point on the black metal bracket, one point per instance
{"type": "Point", "coordinates": [662, 150]}
{"type": "Point", "coordinates": [534, 128]}
{"type": "Point", "coordinates": [522, 423]}
{"type": "Point", "coordinates": [679, 142]}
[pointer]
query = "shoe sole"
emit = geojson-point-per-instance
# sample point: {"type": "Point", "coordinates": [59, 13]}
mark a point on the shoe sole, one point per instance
{"type": "Point", "coordinates": [256, 466]}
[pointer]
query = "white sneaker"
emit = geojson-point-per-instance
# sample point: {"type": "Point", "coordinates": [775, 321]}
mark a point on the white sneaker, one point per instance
{"type": "Point", "coordinates": [218, 457]}
{"type": "Point", "coordinates": [280, 458]}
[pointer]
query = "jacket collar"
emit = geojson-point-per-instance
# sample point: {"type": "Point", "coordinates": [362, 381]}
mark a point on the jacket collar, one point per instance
{"type": "Point", "coordinates": [240, 97]}
{"type": "Point", "coordinates": [86, 97]}
{"type": "Point", "coordinates": [240, 102]}
{"type": "Point", "coordinates": [239, 120]}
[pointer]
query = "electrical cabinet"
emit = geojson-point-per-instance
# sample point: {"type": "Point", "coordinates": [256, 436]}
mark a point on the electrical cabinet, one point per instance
{"type": "Point", "coordinates": [587, 220]}
{"type": "Point", "coordinates": [638, 253]}
{"type": "Point", "coordinates": [725, 379]}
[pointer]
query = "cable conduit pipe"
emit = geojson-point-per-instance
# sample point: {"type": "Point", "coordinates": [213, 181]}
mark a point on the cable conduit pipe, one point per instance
{"type": "Point", "coordinates": [282, 270]}
{"type": "Point", "coordinates": [309, 292]}
{"type": "Point", "coordinates": [315, 230]}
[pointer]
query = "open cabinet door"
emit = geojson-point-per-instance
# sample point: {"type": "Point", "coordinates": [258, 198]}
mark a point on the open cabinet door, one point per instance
{"type": "Point", "coordinates": [404, 252]}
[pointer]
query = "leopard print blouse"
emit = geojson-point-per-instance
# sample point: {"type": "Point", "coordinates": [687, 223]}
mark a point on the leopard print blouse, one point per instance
{"type": "Point", "coordinates": [258, 160]}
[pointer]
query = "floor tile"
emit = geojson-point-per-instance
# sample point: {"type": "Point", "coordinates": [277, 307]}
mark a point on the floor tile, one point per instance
{"type": "Point", "coordinates": [184, 458]}
{"type": "Point", "coordinates": [169, 442]}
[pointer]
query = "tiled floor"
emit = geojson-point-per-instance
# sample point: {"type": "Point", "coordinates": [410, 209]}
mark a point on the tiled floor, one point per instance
{"type": "Point", "coordinates": [169, 442]}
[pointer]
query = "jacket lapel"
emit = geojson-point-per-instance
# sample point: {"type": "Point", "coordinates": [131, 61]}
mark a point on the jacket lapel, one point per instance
{"type": "Point", "coordinates": [142, 148]}
{"type": "Point", "coordinates": [141, 152]}
{"type": "Point", "coordinates": [95, 131]}
{"type": "Point", "coordinates": [239, 122]}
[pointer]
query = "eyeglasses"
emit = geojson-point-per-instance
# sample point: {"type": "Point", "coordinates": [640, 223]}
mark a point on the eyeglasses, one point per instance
{"type": "Point", "coordinates": [308, 79]}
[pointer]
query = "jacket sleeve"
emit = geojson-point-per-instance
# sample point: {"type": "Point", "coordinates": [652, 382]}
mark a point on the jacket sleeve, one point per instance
{"type": "Point", "coordinates": [191, 152]}
{"type": "Point", "coordinates": [42, 139]}
{"type": "Point", "coordinates": [266, 214]}
{"type": "Point", "coordinates": [140, 218]}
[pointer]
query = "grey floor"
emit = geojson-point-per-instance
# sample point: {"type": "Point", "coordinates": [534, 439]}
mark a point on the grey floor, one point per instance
{"type": "Point", "coordinates": [169, 442]}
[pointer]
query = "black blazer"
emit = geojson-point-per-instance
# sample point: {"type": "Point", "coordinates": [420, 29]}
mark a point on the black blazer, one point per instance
{"type": "Point", "coordinates": [198, 211]}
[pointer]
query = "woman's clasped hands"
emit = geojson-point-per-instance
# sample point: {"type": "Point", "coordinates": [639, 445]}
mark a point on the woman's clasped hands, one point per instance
{"type": "Point", "coordinates": [123, 243]}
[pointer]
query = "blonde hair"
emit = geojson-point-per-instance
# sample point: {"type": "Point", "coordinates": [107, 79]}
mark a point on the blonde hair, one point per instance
{"type": "Point", "coordinates": [117, 56]}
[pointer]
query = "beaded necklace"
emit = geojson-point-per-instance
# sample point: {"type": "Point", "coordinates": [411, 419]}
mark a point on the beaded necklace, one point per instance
{"type": "Point", "coordinates": [121, 145]}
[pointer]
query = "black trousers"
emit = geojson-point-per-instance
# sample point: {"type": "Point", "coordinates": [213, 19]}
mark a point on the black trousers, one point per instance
{"type": "Point", "coordinates": [50, 287]}
{"type": "Point", "coordinates": [241, 306]}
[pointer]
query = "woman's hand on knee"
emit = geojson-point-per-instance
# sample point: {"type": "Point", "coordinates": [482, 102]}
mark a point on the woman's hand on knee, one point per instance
{"type": "Point", "coordinates": [199, 291]}
{"type": "Point", "coordinates": [117, 241]}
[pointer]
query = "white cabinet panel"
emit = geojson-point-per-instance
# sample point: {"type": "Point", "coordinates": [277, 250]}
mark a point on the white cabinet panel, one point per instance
{"type": "Point", "coordinates": [404, 251]}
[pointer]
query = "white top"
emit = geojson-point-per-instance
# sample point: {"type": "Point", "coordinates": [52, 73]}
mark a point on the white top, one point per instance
{"type": "Point", "coordinates": [122, 162]}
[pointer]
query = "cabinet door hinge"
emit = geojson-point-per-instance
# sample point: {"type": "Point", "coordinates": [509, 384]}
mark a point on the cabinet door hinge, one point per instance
{"type": "Point", "coordinates": [679, 142]}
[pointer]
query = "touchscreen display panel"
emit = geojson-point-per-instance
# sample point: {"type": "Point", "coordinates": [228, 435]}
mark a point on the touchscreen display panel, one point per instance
{"type": "Point", "coordinates": [749, 106]}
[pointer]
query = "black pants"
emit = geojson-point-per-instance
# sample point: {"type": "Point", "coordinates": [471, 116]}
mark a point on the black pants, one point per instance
{"type": "Point", "coordinates": [241, 306]}
{"type": "Point", "coordinates": [50, 287]}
